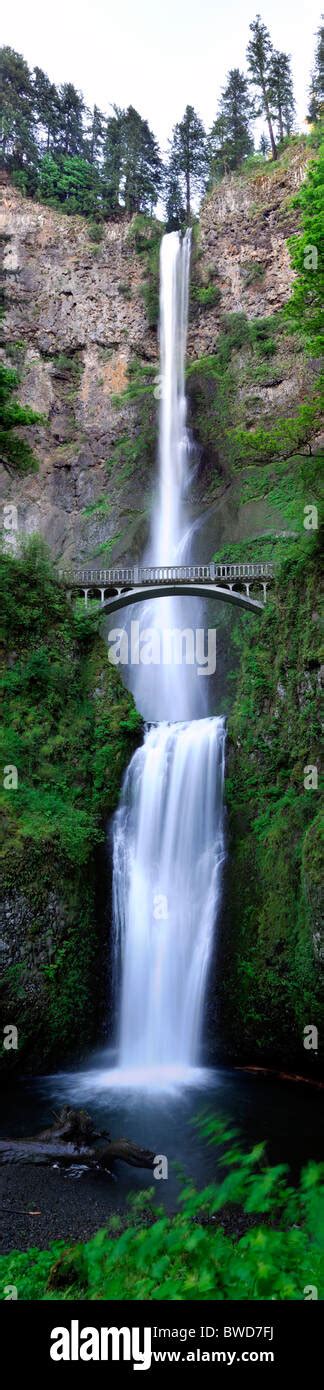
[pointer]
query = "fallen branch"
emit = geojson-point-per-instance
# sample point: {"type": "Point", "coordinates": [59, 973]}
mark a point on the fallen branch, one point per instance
{"type": "Point", "coordinates": [64, 1143]}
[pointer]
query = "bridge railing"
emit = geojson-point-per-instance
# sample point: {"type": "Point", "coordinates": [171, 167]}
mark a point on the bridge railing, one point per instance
{"type": "Point", "coordinates": [150, 574]}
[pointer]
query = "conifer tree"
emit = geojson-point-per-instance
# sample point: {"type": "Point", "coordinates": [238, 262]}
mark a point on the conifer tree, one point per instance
{"type": "Point", "coordinates": [17, 133]}
{"type": "Point", "coordinates": [174, 203]}
{"type": "Point", "coordinates": [46, 103]}
{"type": "Point", "coordinates": [281, 93]}
{"type": "Point", "coordinates": [141, 164]}
{"type": "Point", "coordinates": [95, 135]}
{"type": "Point", "coordinates": [71, 109]}
{"type": "Point", "coordinates": [189, 156]}
{"type": "Point", "coordinates": [259, 55]}
{"type": "Point", "coordinates": [230, 138]}
{"type": "Point", "coordinates": [316, 102]}
{"type": "Point", "coordinates": [112, 161]}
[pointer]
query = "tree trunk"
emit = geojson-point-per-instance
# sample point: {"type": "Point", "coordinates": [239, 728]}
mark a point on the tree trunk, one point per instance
{"type": "Point", "coordinates": [73, 1139]}
{"type": "Point", "coordinates": [37, 1152]}
{"type": "Point", "coordinates": [281, 129]}
{"type": "Point", "coordinates": [269, 121]}
{"type": "Point", "coordinates": [188, 208]}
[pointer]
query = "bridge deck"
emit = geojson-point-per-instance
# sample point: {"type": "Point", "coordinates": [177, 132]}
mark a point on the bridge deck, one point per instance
{"type": "Point", "coordinates": [226, 571]}
{"type": "Point", "coordinates": [121, 586]}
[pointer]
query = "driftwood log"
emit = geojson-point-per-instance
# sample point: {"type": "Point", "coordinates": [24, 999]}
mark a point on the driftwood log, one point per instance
{"type": "Point", "coordinates": [73, 1139]}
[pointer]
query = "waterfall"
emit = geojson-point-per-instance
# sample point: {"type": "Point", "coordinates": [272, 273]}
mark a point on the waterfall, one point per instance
{"type": "Point", "coordinates": [168, 851]}
{"type": "Point", "coordinates": [168, 831]}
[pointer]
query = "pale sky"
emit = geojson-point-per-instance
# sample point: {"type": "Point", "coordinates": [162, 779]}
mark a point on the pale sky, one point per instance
{"type": "Point", "coordinates": [157, 55]}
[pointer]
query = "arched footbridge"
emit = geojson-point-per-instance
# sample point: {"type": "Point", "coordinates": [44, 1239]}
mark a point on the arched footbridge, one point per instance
{"type": "Point", "coordinates": [244, 584]}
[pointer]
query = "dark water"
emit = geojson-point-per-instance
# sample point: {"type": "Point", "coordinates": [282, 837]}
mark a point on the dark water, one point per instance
{"type": "Point", "coordinates": [287, 1115]}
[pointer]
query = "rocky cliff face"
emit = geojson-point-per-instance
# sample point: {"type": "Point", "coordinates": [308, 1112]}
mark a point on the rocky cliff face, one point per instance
{"type": "Point", "coordinates": [74, 321]}
{"type": "Point", "coordinates": [244, 226]}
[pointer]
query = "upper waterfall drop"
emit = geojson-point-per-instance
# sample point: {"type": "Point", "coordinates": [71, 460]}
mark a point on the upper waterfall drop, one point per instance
{"type": "Point", "coordinates": [173, 691]}
{"type": "Point", "coordinates": [174, 444]}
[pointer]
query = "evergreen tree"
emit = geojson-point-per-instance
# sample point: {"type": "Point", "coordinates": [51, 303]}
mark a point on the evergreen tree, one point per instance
{"type": "Point", "coordinates": [264, 144]}
{"type": "Point", "coordinates": [259, 55]}
{"type": "Point", "coordinates": [189, 156]}
{"type": "Point", "coordinates": [218, 149]}
{"type": "Point", "coordinates": [112, 161]}
{"type": "Point", "coordinates": [281, 93]}
{"type": "Point", "coordinates": [46, 101]}
{"type": "Point", "coordinates": [18, 144]}
{"type": "Point", "coordinates": [174, 204]}
{"type": "Point", "coordinates": [70, 139]}
{"type": "Point", "coordinates": [95, 136]}
{"type": "Point", "coordinates": [132, 167]}
{"type": "Point", "coordinates": [141, 164]}
{"type": "Point", "coordinates": [230, 137]}
{"type": "Point", "coordinates": [316, 102]}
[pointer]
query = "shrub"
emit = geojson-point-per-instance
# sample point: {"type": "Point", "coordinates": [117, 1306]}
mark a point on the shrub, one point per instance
{"type": "Point", "coordinates": [206, 295]}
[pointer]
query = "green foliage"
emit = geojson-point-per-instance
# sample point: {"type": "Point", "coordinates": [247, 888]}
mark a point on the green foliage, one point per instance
{"type": "Point", "coordinates": [207, 296]}
{"type": "Point", "coordinates": [145, 235]}
{"type": "Point", "coordinates": [134, 453]}
{"type": "Point", "coordinates": [18, 143]}
{"type": "Point", "coordinates": [305, 308]}
{"type": "Point", "coordinates": [49, 711]}
{"type": "Point", "coordinates": [272, 973]}
{"type": "Point", "coordinates": [69, 727]}
{"type": "Point", "coordinates": [106, 547]}
{"type": "Point", "coordinates": [79, 161]}
{"type": "Point", "coordinates": [260, 332]}
{"type": "Point", "coordinates": [64, 364]}
{"type": "Point", "coordinates": [316, 103]}
{"type": "Point", "coordinates": [70, 182]}
{"type": "Point", "coordinates": [283, 439]}
{"type": "Point", "coordinates": [260, 64]}
{"type": "Point", "coordinates": [212, 382]}
{"type": "Point", "coordinates": [189, 1256]}
{"type": "Point", "coordinates": [187, 169]}
{"type": "Point", "coordinates": [96, 231]}
{"type": "Point", "coordinates": [101, 507]}
{"type": "Point", "coordinates": [281, 93]}
{"type": "Point", "coordinates": [16, 454]}
{"type": "Point", "coordinates": [230, 139]}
